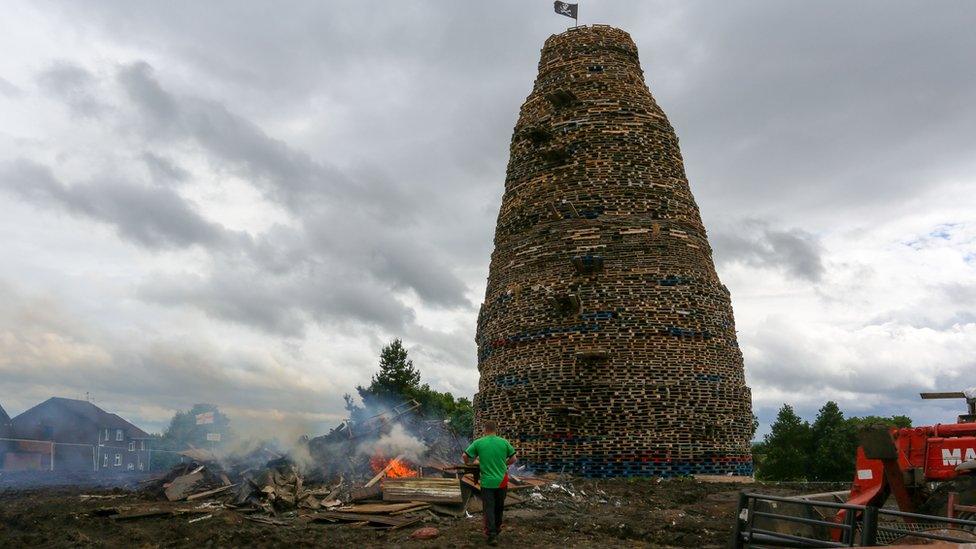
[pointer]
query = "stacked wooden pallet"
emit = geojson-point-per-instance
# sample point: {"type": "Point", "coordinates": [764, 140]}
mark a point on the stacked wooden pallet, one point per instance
{"type": "Point", "coordinates": [606, 341]}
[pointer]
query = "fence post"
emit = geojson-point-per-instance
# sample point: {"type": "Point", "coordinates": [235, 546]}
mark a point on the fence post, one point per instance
{"type": "Point", "coordinates": [736, 541]}
{"type": "Point", "coordinates": [869, 530]}
{"type": "Point", "coordinates": [52, 455]}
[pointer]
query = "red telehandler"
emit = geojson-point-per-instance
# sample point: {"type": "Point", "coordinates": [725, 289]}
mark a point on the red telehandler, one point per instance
{"type": "Point", "coordinates": [929, 470]}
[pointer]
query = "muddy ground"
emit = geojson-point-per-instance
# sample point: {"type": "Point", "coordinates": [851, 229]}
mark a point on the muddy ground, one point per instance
{"type": "Point", "coordinates": [567, 513]}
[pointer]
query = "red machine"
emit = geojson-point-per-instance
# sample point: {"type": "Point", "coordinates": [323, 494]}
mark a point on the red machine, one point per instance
{"type": "Point", "coordinates": [922, 467]}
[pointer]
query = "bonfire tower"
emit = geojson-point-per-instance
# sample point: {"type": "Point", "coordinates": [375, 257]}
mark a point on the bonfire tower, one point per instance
{"type": "Point", "coordinates": [606, 343]}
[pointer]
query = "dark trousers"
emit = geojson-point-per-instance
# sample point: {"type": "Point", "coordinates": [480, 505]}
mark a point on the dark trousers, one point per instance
{"type": "Point", "coordinates": [493, 504]}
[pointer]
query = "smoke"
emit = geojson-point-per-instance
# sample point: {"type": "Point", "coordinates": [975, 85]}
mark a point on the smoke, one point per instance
{"type": "Point", "coordinates": [394, 443]}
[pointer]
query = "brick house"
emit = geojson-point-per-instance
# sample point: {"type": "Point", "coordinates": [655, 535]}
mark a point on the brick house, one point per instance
{"type": "Point", "coordinates": [85, 438]}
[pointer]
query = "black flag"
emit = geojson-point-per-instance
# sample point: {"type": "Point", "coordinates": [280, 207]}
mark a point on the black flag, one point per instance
{"type": "Point", "coordinates": [567, 9]}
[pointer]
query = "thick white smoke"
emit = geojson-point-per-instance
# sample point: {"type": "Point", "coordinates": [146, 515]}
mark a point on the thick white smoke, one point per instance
{"type": "Point", "coordinates": [394, 443]}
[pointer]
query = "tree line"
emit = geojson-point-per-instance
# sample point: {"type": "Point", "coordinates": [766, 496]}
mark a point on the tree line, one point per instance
{"type": "Point", "coordinates": [825, 450]}
{"type": "Point", "coordinates": [398, 380]}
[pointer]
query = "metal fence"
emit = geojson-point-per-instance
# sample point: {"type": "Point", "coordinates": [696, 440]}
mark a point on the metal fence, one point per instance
{"type": "Point", "coordinates": [761, 523]}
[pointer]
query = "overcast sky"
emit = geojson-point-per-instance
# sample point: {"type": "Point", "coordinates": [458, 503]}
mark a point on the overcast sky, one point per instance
{"type": "Point", "coordinates": [240, 203]}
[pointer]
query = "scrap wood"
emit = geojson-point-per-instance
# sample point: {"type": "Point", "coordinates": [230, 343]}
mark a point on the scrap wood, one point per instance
{"type": "Point", "coordinates": [431, 490]}
{"type": "Point", "coordinates": [197, 454]}
{"type": "Point", "coordinates": [421, 507]}
{"type": "Point", "coordinates": [181, 486]}
{"type": "Point", "coordinates": [374, 508]}
{"type": "Point", "coordinates": [210, 492]}
{"type": "Point", "coordinates": [360, 494]}
{"type": "Point", "coordinates": [198, 519]}
{"type": "Point", "coordinates": [332, 516]}
{"type": "Point", "coordinates": [379, 475]}
{"type": "Point", "coordinates": [525, 482]}
{"type": "Point", "coordinates": [266, 520]}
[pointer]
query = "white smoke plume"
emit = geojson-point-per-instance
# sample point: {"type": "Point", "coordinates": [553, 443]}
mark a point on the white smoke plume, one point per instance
{"type": "Point", "coordinates": [394, 443]}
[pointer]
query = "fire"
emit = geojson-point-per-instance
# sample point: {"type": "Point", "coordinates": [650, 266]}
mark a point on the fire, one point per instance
{"type": "Point", "coordinates": [395, 468]}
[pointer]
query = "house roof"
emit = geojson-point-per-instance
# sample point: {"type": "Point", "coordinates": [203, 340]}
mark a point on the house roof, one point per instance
{"type": "Point", "coordinates": [87, 410]}
{"type": "Point", "coordinates": [4, 418]}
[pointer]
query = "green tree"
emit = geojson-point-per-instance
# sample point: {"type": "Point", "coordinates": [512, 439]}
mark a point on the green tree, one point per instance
{"type": "Point", "coordinates": [834, 442]}
{"type": "Point", "coordinates": [395, 380]}
{"type": "Point", "coordinates": [398, 380]}
{"type": "Point", "coordinates": [786, 452]}
{"type": "Point", "coordinates": [183, 431]}
{"type": "Point", "coordinates": [899, 422]}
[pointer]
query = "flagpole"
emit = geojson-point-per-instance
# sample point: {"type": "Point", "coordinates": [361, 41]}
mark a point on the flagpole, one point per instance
{"type": "Point", "coordinates": [577, 14]}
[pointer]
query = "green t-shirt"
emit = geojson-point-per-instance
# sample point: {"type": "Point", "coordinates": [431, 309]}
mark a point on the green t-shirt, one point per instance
{"type": "Point", "coordinates": [492, 452]}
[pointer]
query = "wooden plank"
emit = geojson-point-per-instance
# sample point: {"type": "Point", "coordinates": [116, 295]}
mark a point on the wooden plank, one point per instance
{"type": "Point", "coordinates": [421, 507]}
{"type": "Point", "coordinates": [430, 490]}
{"type": "Point", "coordinates": [210, 492]}
{"type": "Point", "coordinates": [181, 486]}
{"type": "Point", "coordinates": [360, 494]}
{"type": "Point", "coordinates": [381, 507]}
{"type": "Point", "coordinates": [359, 517]}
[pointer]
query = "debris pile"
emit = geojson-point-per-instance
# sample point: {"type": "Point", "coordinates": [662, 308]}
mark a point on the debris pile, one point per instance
{"type": "Point", "coordinates": [336, 481]}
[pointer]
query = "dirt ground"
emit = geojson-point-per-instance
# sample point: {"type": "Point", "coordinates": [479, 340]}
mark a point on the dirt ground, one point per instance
{"type": "Point", "coordinates": [566, 513]}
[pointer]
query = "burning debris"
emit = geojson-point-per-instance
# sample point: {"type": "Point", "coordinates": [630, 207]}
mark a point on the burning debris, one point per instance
{"type": "Point", "coordinates": [393, 470]}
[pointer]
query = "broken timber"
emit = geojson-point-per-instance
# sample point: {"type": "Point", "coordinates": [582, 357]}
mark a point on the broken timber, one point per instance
{"type": "Point", "coordinates": [182, 485]}
{"type": "Point", "coordinates": [394, 522]}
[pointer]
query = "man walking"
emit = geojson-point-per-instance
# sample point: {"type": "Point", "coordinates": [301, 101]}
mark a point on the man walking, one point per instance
{"type": "Point", "coordinates": [493, 454]}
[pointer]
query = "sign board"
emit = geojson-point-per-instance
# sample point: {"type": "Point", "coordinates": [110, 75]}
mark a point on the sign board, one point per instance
{"type": "Point", "coordinates": [213, 437]}
{"type": "Point", "coordinates": [205, 418]}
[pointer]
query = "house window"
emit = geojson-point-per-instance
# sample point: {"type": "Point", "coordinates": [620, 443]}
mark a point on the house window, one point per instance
{"type": "Point", "coordinates": [106, 434]}
{"type": "Point", "coordinates": [105, 460]}
{"type": "Point", "coordinates": [140, 466]}
{"type": "Point", "coordinates": [118, 434]}
{"type": "Point", "coordinates": [130, 466]}
{"type": "Point", "coordinates": [118, 459]}
{"type": "Point", "coordinates": [142, 444]}
{"type": "Point", "coordinates": [132, 446]}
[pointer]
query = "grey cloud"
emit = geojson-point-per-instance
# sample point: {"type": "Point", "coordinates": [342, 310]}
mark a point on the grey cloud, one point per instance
{"type": "Point", "coordinates": [74, 85]}
{"type": "Point", "coordinates": [817, 106]}
{"type": "Point", "coordinates": [330, 203]}
{"type": "Point", "coordinates": [756, 243]}
{"type": "Point", "coordinates": [8, 89]}
{"type": "Point", "coordinates": [289, 176]}
{"type": "Point", "coordinates": [152, 216]}
{"type": "Point", "coordinates": [283, 304]}
{"type": "Point", "coordinates": [164, 170]}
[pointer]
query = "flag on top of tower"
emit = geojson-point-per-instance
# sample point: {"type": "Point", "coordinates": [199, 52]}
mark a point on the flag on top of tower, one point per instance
{"type": "Point", "coordinates": [567, 9]}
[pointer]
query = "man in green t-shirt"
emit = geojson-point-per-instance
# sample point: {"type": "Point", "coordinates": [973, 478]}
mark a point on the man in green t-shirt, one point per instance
{"type": "Point", "coordinates": [493, 454]}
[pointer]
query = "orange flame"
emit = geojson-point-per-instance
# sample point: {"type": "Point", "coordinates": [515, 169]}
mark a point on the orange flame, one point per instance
{"type": "Point", "coordinates": [398, 468]}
